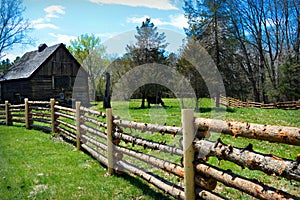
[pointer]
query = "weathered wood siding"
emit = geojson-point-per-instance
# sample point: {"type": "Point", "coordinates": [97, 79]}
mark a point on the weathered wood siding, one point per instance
{"type": "Point", "coordinates": [15, 91]}
{"type": "Point", "coordinates": [56, 76]}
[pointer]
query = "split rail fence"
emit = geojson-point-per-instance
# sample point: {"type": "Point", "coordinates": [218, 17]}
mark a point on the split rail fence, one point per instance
{"type": "Point", "coordinates": [235, 103]}
{"type": "Point", "coordinates": [114, 142]}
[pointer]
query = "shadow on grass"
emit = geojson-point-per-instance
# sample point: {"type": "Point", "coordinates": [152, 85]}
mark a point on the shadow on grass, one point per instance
{"type": "Point", "coordinates": [201, 109]}
{"type": "Point", "coordinates": [207, 109]}
{"type": "Point", "coordinates": [146, 188]}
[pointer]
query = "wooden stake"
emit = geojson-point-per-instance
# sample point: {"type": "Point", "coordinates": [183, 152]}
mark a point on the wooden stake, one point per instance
{"type": "Point", "coordinates": [7, 114]}
{"type": "Point", "coordinates": [27, 113]}
{"type": "Point", "coordinates": [188, 152]}
{"type": "Point", "coordinates": [78, 104]}
{"type": "Point", "coordinates": [52, 103]}
{"type": "Point", "coordinates": [110, 147]}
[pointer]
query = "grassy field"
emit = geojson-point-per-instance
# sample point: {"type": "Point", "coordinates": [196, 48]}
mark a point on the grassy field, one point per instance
{"type": "Point", "coordinates": [34, 166]}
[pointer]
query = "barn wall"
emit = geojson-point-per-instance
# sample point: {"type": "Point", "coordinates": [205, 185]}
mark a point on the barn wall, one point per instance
{"type": "Point", "coordinates": [56, 78]}
{"type": "Point", "coordinates": [15, 91]}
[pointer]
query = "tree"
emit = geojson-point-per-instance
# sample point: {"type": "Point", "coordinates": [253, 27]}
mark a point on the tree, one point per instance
{"type": "Point", "coordinates": [149, 48]}
{"type": "Point", "coordinates": [13, 28]}
{"type": "Point", "coordinates": [90, 53]}
{"type": "Point", "coordinates": [268, 38]}
{"type": "Point", "coordinates": [209, 24]}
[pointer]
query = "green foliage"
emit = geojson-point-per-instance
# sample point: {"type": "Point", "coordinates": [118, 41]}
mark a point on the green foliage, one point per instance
{"type": "Point", "coordinates": [247, 41]}
{"type": "Point", "coordinates": [150, 45]}
{"type": "Point", "coordinates": [289, 85]}
{"type": "Point", "coordinates": [91, 54]}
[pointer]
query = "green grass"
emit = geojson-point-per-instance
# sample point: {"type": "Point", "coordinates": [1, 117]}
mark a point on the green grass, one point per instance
{"type": "Point", "coordinates": [171, 115]}
{"type": "Point", "coordinates": [34, 166]}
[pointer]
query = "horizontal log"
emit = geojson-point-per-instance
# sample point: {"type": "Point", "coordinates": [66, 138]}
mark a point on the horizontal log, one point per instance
{"type": "Point", "coordinates": [39, 102]}
{"type": "Point", "coordinates": [40, 114]}
{"type": "Point", "coordinates": [42, 120]}
{"type": "Point", "coordinates": [206, 183]}
{"type": "Point", "coordinates": [17, 110]}
{"type": "Point", "coordinates": [93, 112]}
{"type": "Point", "coordinates": [96, 122]}
{"type": "Point", "coordinates": [162, 184]}
{"type": "Point", "coordinates": [65, 115]}
{"type": "Point", "coordinates": [93, 131]}
{"type": "Point", "coordinates": [251, 187]}
{"type": "Point", "coordinates": [102, 159]}
{"type": "Point", "coordinates": [71, 126]}
{"type": "Point", "coordinates": [98, 144]}
{"type": "Point", "coordinates": [279, 134]}
{"type": "Point", "coordinates": [64, 109]}
{"type": "Point", "coordinates": [67, 133]}
{"type": "Point", "coordinates": [148, 144]}
{"type": "Point", "coordinates": [17, 106]}
{"type": "Point", "coordinates": [148, 127]}
{"type": "Point", "coordinates": [40, 108]}
{"type": "Point", "coordinates": [204, 194]}
{"type": "Point", "coordinates": [248, 158]}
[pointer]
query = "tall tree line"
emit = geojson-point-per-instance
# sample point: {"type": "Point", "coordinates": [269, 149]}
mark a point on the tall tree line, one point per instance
{"type": "Point", "coordinates": [254, 44]}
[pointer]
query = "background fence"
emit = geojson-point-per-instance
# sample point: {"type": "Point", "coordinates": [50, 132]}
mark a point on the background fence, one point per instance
{"type": "Point", "coordinates": [235, 103]}
{"type": "Point", "coordinates": [179, 168]}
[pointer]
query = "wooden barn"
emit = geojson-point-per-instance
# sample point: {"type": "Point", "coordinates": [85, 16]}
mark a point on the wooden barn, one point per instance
{"type": "Point", "coordinates": [48, 72]}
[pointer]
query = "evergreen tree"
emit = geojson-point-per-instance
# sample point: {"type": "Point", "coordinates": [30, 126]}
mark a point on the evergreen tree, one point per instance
{"type": "Point", "coordinates": [149, 48]}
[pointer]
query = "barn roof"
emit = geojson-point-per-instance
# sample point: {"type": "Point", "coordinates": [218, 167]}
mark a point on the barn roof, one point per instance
{"type": "Point", "coordinates": [30, 62]}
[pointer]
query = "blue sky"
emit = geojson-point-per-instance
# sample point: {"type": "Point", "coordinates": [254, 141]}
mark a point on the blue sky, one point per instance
{"type": "Point", "coordinates": [114, 21]}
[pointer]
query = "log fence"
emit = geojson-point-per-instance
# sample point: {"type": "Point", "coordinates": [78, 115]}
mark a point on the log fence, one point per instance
{"type": "Point", "coordinates": [235, 103]}
{"type": "Point", "coordinates": [179, 170]}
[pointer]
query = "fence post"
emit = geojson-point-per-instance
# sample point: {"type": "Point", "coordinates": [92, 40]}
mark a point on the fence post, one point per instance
{"type": "Point", "coordinates": [27, 120]}
{"type": "Point", "coordinates": [7, 114]}
{"type": "Point", "coordinates": [53, 121]}
{"type": "Point", "coordinates": [188, 153]}
{"type": "Point", "coordinates": [78, 133]}
{"type": "Point", "coordinates": [110, 147]}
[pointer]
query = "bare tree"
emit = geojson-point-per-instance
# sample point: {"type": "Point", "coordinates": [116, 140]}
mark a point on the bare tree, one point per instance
{"type": "Point", "coordinates": [13, 27]}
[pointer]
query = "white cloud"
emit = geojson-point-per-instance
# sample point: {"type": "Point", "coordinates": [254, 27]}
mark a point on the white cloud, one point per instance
{"type": "Point", "coordinates": [178, 21]}
{"type": "Point", "coordinates": [156, 4]}
{"type": "Point", "coordinates": [61, 38]}
{"type": "Point", "coordinates": [54, 11]}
